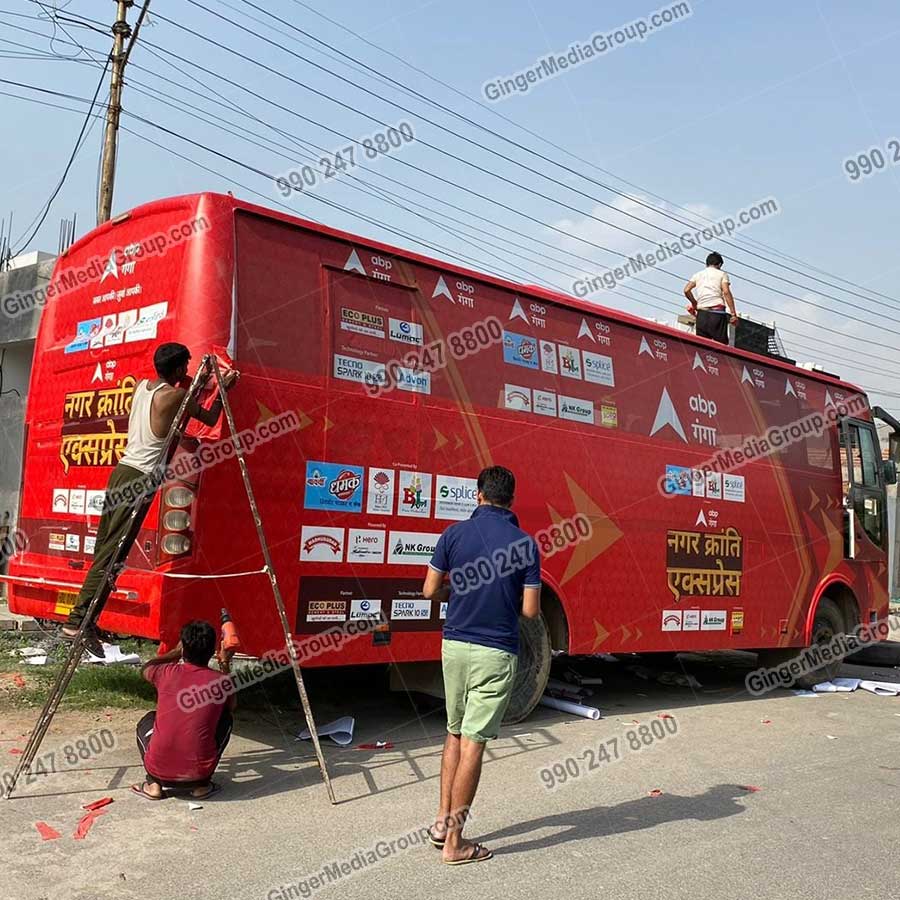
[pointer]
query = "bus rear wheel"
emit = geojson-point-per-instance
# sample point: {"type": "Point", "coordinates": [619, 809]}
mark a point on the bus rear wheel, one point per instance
{"type": "Point", "coordinates": [827, 624]}
{"type": "Point", "coordinates": [533, 669]}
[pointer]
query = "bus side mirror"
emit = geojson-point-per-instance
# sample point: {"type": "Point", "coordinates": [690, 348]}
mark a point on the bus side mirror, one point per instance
{"type": "Point", "coordinates": [894, 447]}
{"type": "Point", "coordinates": [889, 467]}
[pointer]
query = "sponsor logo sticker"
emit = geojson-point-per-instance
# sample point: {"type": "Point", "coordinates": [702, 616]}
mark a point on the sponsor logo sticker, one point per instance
{"type": "Point", "coordinates": [60, 500]}
{"type": "Point", "coordinates": [598, 368]}
{"type": "Point", "coordinates": [365, 545]}
{"type": "Point", "coordinates": [518, 398]}
{"type": "Point", "coordinates": [569, 361]}
{"type": "Point", "coordinates": [545, 403]}
{"type": "Point", "coordinates": [73, 543]}
{"type": "Point", "coordinates": [733, 488]}
{"type": "Point", "coordinates": [678, 480]}
{"type": "Point", "coordinates": [321, 544]}
{"type": "Point", "coordinates": [381, 492]}
{"type": "Point", "coordinates": [90, 541]}
{"type": "Point", "coordinates": [365, 609]}
{"type": "Point", "coordinates": [332, 486]}
{"type": "Point", "coordinates": [520, 350]}
{"type": "Point", "coordinates": [411, 547]}
{"type": "Point", "coordinates": [576, 410]}
{"type": "Point", "coordinates": [714, 485]}
{"type": "Point", "coordinates": [548, 357]}
{"type": "Point", "coordinates": [414, 494]}
{"type": "Point", "coordinates": [360, 322]}
{"type": "Point", "coordinates": [671, 620]}
{"type": "Point", "coordinates": [362, 371]}
{"type": "Point", "coordinates": [411, 380]}
{"type": "Point", "coordinates": [698, 482]}
{"type": "Point", "coordinates": [405, 332]}
{"type": "Point", "coordinates": [609, 416]}
{"type": "Point", "coordinates": [326, 611]}
{"type": "Point", "coordinates": [690, 620]}
{"type": "Point", "coordinates": [713, 620]}
{"type": "Point", "coordinates": [57, 541]}
{"type": "Point", "coordinates": [455, 498]}
{"type": "Point", "coordinates": [737, 621]}
{"type": "Point", "coordinates": [77, 499]}
{"type": "Point", "coordinates": [411, 609]}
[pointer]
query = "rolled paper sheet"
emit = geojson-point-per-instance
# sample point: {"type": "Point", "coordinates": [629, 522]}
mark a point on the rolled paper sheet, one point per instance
{"type": "Point", "coordinates": [577, 709]}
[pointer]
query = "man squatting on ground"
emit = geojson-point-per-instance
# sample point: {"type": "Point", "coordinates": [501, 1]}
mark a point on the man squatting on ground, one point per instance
{"type": "Point", "coordinates": [709, 304]}
{"type": "Point", "coordinates": [181, 747]}
{"type": "Point", "coordinates": [153, 409]}
{"type": "Point", "coordinates": [480, 646]}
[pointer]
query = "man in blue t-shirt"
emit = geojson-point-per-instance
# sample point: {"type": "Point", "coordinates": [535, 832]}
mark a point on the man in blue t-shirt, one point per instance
{"type": "Point", "coordinates": [495, 576]}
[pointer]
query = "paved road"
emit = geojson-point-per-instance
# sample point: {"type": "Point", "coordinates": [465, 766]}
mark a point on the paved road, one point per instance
{"type": "Point", "coordinates": [823, 823]}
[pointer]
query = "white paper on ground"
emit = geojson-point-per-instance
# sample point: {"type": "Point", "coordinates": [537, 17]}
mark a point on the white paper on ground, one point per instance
{"type": "Point", "coordinates": [113, 655]}
{"type": "Point", "coordinates": [837, 686]}
{"type": "Point", "coordinates": [799, 692]}
{"type": "Point", "coordinates": [882, 688]}
{"type": "Point", "coordinates": [340, 731]}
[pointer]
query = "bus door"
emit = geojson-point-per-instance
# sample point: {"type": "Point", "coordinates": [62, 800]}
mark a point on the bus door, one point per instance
{"type": "Point", "coordinates": [865, 496]}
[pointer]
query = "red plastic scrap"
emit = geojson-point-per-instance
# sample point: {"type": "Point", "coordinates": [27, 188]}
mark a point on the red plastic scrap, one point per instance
{"type": "Point", "coordinates": [665, 716]}
{"type": "Point", "coordinates": [19, 681]}
{"type": "Point", "coordinates": [97, 804]}
{"type": "Point", "coordinates": [15, 751]}
{"type": "Point", "coordinates": [750, 788]}
{"type": "Point", "coordinates": [46, 832]}
{"type": "Point", "coordinates": [766, 721]}
{"type": "Point", "coordinates": [656, 792]}
{"type": "Point", "coordinates": [378, 745]}
{"type": "Point", "coordinates": [85, 823]}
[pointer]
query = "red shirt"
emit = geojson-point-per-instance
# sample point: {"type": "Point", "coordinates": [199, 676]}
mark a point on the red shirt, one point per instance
{"type": "Point", "coordinates": [183, 743]}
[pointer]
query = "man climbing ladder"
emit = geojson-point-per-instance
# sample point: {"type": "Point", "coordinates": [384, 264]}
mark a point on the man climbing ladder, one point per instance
{"type": "Point", "coordinates": [153, 409]}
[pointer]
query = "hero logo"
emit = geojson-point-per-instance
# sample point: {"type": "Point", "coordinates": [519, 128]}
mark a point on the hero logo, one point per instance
{"type": "Point", "coordinates": [344, 486]}
{"type": "Point", "coordinates": [699, 404]}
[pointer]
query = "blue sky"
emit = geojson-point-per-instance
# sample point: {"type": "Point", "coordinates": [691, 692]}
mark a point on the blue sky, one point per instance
{"type": "Point", "coordinates": [733, 104]}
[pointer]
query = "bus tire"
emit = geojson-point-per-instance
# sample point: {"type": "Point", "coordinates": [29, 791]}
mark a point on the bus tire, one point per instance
{"type": "Point", "coordinates": [827, 622]}
{"type": "Point", "coordinates": [533, 669]}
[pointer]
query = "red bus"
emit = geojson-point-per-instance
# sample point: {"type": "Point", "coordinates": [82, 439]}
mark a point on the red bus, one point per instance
{"type": "Point", "coordinates": [689, 496]}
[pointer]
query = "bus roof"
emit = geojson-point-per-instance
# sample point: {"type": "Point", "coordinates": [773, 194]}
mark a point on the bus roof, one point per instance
{"type": "Point", "coordinates": [193, 201]}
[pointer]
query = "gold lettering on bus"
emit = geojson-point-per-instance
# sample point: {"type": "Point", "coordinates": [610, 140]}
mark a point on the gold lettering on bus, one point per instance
{"type": "Point", "coordinates": [103, 449]}
{"type": "Point", "coordinates": [704, 564]}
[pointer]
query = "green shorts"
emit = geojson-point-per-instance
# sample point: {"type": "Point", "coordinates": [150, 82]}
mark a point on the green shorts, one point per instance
{"type": "Point", "coordinates": [478, 683]}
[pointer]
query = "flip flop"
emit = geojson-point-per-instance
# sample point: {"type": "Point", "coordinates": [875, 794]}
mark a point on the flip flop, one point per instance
{"type": "Point", "coordinates": [139, 790]}
{"type": "Point", "coordinates": [90, 640]}
{"type": "Point", "coordinates": [436, 841]}
{"type": "Point", "coordinates": [475, 856]}
{"type": "Point", "coordinates": [213, 789]}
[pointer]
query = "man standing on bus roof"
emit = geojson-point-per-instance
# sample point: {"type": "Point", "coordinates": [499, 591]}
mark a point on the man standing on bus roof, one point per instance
{"type": "Point", "coordinates": [713, 296]}
{"type": "Point", "coordinates": [154, 406]}
{"type": "Point", "coordinates": [481, 643]}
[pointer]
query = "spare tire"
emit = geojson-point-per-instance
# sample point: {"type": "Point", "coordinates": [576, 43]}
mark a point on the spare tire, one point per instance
{"type": "Point", "coordinates": [533, 669]}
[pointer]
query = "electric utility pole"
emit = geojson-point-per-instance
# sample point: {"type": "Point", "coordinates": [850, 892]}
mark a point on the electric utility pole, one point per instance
{"type": "Point", "coordinates": [121, 32]}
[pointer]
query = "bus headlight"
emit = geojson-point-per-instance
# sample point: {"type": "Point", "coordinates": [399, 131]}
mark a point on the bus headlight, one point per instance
{"type": "Point", "coordinates": [176, 544]}
{"type": "Point", "coordinates": [179, 497]}
{"type": "Point", "coordinates": [176, 520]}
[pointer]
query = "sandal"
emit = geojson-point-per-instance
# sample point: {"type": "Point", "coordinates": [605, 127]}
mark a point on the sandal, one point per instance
{"type": "Point", "coordinates": [475, 856]}
{"type": "Point", "coordinates": [141, 792]}
{"type": "Point", "coordinates": [213, 789]}
{"type": "Point", "coordinates": [436, 841]}
{"type": "Point", "coordinates": [89, 638]}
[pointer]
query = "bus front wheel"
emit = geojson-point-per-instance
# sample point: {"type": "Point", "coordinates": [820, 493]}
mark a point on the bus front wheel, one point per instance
{"type": "Point", "coordinates": [533, 669]}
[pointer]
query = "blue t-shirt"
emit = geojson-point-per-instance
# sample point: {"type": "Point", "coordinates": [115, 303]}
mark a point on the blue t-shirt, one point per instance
{"type": "Point", "coordinates": [490, 560]}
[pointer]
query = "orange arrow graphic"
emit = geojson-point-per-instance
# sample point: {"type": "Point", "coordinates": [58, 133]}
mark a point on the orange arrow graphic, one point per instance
{"type": "Point", "coordinates": [602, 635]}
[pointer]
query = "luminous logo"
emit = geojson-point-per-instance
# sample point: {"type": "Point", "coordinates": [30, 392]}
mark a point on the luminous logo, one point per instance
{"type": "Point", "coordinates": [317, 479]}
